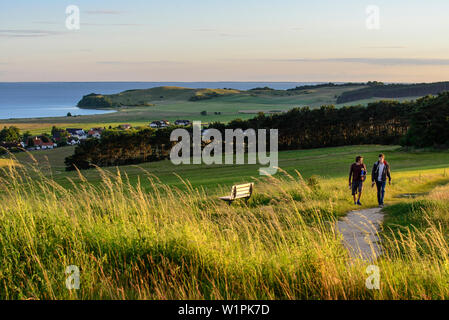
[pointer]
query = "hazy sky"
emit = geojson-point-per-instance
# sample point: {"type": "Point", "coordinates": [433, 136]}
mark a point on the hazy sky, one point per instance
{"type": "Point", "coordinates": [240, 40]}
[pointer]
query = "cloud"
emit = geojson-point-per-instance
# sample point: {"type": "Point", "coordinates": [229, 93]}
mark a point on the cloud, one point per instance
{"type": "Point", "coordinates": [111, 24]}
{"type": "Point", "coordinates": [231, 35]}
{"type": "Point", "coordinates": [383, 47]}
{"type": "Point", "coordinates": [376, 61]}
{"type": "Point", "coordinates": [107, 12]}
{"type": "Point", "coordinates": [47, 22]}
{"type": "Point", "coordinates": [93, 24]}
{"type": "Point", "coordinates": [205, 30]}
{"type": "Point", "coordinates": [220, 33]}
{"type": "Point", "coordinates": [9, 33]}
{"type": "Point", "coordinates": [137, 62]}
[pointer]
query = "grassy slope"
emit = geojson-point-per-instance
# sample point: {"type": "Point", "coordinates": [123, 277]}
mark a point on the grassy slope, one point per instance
{"type": "Point", "coordinates": [171, 244]}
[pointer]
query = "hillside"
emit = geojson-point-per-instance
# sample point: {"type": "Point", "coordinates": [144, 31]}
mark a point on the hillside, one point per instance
{"type": "Point", "coordinates": [329, 93]}
{"type": "Point", "coordinates": [148, 97]}
{"type": "Point", "coordinates": [163, 95]}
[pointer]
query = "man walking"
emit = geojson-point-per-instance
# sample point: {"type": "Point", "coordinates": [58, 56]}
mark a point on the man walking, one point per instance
{"type": "Point", "coordinates": [357, 175]}
{"type": "Point", "coordinates": [381, 170]}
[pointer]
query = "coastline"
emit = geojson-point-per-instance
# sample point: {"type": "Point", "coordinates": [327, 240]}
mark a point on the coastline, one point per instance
{"type": "Point", "coordinates": [74, 111]}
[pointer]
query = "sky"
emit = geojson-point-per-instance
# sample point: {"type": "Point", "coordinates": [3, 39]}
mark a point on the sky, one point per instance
{"type": "Point", "coordinates": [232, 40]}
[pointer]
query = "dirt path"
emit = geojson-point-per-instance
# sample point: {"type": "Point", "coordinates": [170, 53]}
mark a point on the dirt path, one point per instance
{"type": "Point", "coordinates": [360, 233]}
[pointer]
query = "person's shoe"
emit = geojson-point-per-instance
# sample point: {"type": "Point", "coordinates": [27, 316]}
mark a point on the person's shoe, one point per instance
{"type": "Point", "coordinates": [381, 206]}
{"type": "Point", "coordinates": [355, 203]}
{"type": "Point", "coordinates": [358, 203]}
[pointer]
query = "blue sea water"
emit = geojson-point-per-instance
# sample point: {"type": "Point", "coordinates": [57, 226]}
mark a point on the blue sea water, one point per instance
{"type": "Point", "coordinates": [54, 99]}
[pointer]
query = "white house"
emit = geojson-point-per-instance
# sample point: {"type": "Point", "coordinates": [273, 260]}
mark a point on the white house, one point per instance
{"type": "Point", "coordinates": [77, 133]}
{"type": "Point", "coordinates": [159, 124]}
{"type": "Point", "coordinates": [182, 123]}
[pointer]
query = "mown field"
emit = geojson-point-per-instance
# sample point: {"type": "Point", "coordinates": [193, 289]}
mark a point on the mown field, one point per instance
{"type": "Point", "coordinates": [135, 236]}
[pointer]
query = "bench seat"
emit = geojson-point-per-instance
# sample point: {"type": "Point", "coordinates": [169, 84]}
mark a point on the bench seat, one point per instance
{"type": "Point", "coordinates": [239, 191]}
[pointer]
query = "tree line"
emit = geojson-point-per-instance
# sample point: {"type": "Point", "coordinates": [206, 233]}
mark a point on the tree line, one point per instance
{"type": "Point", "coordinates": [384, 122]}
{"type": "Point", "coordinates": [380, 90]}
{"type": "Point", "coordinates": [117, 147]}
{"type": "Point", "coordinates": [429, 123]}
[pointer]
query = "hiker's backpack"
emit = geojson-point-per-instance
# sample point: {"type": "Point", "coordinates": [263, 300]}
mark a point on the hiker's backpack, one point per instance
{"type": "Point", "coordinates": [363, 174]}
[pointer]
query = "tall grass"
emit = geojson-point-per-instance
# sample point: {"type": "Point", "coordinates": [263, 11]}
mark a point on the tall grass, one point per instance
{"type": "Point", "coordinates": [186, 244]}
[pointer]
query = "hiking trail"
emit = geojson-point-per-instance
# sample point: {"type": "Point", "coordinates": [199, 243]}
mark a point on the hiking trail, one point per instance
{"type": "Point", "coordinates": [360, 229]}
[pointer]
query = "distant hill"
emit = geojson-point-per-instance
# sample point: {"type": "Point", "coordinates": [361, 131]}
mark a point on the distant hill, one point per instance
{"type": "Point", "coordinates": [380, 90]}
{"type": "Point", "coordinates": [331, 93]}
{"type": "Point", "coordinates": [148, 97]}
{"type": "Point", "coordinates": [158, 95]}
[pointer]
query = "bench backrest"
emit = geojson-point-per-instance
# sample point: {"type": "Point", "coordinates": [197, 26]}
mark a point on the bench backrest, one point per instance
{"type": "Point", "coordinates": [242, 191]}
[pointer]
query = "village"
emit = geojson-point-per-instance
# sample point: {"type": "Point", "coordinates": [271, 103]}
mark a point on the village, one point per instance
{"type": "Point", "coordinates": [12, 140]}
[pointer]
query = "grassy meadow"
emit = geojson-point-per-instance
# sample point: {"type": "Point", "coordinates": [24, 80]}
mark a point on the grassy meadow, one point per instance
{"type": "Point", "coordinates": [145, 233]}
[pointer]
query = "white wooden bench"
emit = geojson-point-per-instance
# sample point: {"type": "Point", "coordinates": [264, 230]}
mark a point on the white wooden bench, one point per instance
{"type": "Point", "coordinates": [239, 191]}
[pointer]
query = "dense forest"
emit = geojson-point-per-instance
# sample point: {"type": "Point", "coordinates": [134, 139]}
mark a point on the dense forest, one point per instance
{"type": "Point", "coordinates": [380, 90]}
{"type": "Point", "coordinates": [422, 123]}
{"type": "Point", "coordinates": [384, 122]}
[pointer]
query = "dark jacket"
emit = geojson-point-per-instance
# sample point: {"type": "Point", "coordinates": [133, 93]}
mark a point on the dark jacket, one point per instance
{"type": "Point", "coordinates": [385, 173]}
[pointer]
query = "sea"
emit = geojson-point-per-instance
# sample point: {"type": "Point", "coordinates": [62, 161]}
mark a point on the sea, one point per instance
{"type": "Point", "coordinates": [56, 99]}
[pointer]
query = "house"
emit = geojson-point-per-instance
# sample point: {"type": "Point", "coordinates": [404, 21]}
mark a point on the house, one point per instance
{"type": "Point", "coordinates": [73, 141]}
{"type": "Point", "coordinates": [159, 124]}
{"type": "Point", "coordinates": [182, 123]}
{"type": "Point", "coordinates": [95, 133]}
{"type": "Point", "coordinates": [125, 126]}
{"type": "Point", "coordinates": [154, 124]}
{"type": "Point", "coordinates": [77, 133]}
{"type": "Point", "coordinates": [40, 142]}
